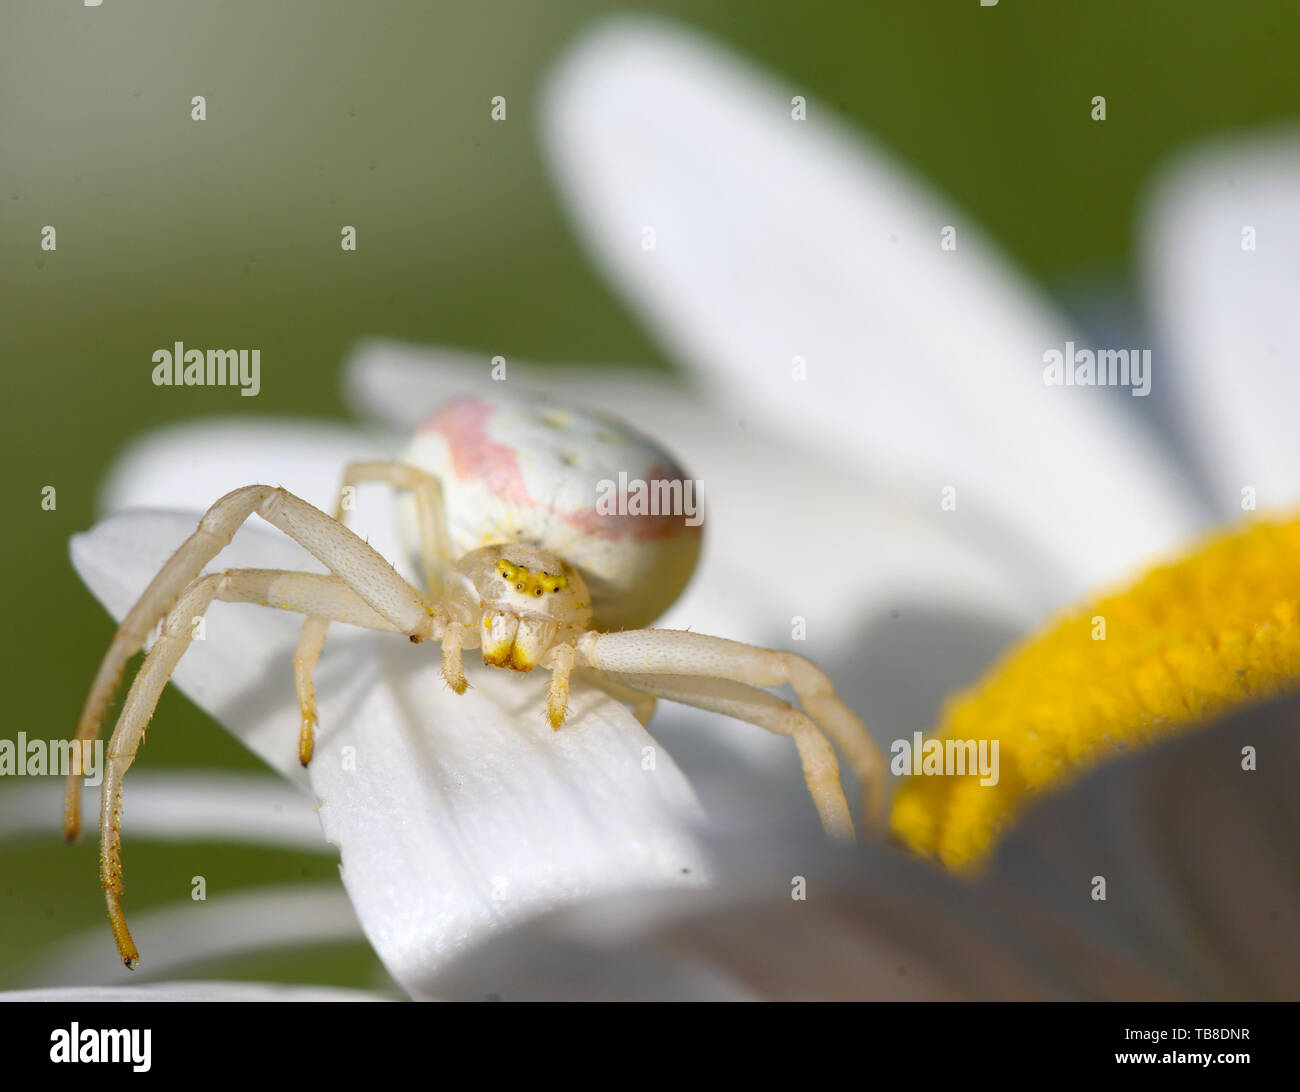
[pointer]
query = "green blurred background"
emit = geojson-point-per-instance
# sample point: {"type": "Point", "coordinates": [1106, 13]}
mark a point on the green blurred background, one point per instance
{"type": "Point", "coordinates": [321, 114]}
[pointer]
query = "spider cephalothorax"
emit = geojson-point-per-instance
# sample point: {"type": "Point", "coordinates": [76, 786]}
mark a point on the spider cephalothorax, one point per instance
{"type": "Point", "coordinates": [534, 552]}
{"type": "Point", "coordinates": [523, 600]}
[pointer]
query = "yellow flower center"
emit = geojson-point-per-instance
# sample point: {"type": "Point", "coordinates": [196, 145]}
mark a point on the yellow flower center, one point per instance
{"type": "Point", "coordinates": [1186, 643]}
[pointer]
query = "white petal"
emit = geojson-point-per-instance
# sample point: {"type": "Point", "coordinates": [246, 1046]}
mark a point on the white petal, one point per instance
{"type": "Point", "coordinates": [191, 465]}
{"type": "Point", "coordinates": [187, 933]}
{"type": "Point", "coordinates": [1203, 902]}
{"type": "Point", "coordinates": [179, 806]}
{"type": "Point", "coordinates": [191, 991]}
{"type": "Point", "coordinates": [460, 814]}
{"type": "Point", "coordinates": [776, 240]}
{"type": "Point", "coordinates": [433, 798]}
{"type": "Point", "coordinates": [1227, 315]}
{"type": "Point", "coordinates": [874, 926]}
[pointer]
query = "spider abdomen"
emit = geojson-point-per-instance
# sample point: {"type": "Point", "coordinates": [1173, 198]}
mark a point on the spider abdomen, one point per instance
{"type": "Point", "coordinates": [581, 485]}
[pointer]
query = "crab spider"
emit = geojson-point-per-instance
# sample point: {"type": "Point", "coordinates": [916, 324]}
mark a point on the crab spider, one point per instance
{"type": "Point", "coordinates": [559, 585]}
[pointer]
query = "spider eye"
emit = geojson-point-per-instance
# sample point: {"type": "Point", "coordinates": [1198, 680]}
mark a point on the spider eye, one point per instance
{"type": "Point", "coordinates": [538, 593]}
{"type": "Point", "coordinates": [519, 587]}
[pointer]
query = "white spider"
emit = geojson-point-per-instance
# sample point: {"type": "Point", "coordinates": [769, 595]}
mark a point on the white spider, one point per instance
{"type": "Point", "coordinates": [520, 564]}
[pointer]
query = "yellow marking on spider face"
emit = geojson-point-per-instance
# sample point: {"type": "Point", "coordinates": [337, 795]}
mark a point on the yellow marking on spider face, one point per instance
{"type": "Point", "coordinates": [498, 654]}
{"type": "Point", "coordinates": [530, 583]}
{"type": "Point", "coordinates": [519, 660]}
{"type": "Point", "coordinates": [1182, 646]}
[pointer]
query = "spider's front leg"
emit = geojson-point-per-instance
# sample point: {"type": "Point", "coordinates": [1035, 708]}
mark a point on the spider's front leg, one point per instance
{"type": "Point", "coordinates": [821, 771]}
{"type": "Point", "coordinates": [357, 565]}
{"type": "Point", "coordinates": [435, 554]}
{"type": "Point", "coordinates": [313, 594]}
{"type": "Point", "coordinates": [662, 652]}
{"type": "Point", "coordinates": [365, 590]}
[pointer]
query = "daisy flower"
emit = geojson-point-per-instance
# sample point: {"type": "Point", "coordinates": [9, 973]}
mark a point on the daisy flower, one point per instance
{"type": "Point", "coordinates": [890, 480]}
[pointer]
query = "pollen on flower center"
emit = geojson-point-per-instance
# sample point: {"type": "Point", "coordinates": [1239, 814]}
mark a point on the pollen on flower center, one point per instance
{"type": "Point", "coordinates": [1186, 643]}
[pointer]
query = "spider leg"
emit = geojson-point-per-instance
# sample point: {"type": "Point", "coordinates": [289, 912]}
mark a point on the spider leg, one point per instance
{"type": "Point", "coordinates": [748, 703]}
{"type": "Point", "coordinates": [314, 594]}
{"type": "Point", "coordinates": [563, 657]}
{"type": "Point", "coordinates": [363, 569]}
{"type": "Point", "coordinates": [431, 515]}
{"type": "Point", "coordinates": [675, 652]}
{"type": "Point", "coordinates": [453, 667]}
{"type": "Point", "coordinates": [311, 643]}
{"type": "Point", "coordinates": [435, 554]}
{"type": "Point", "coordinates": [642, 703]}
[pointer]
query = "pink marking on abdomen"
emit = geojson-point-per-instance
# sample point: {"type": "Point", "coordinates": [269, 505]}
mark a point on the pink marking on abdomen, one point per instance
{"type": "Point", "coordinates": [476, 457]}
{"type": "Point", "coordinates": [648, 528]}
